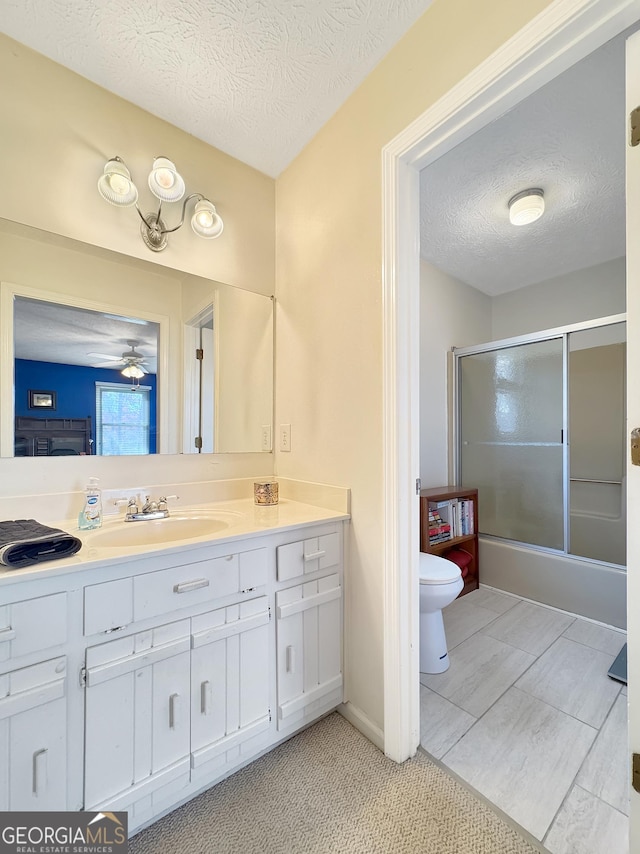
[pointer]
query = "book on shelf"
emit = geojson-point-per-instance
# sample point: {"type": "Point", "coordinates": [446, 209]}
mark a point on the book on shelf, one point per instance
{"type": "Point", "coordinates": [439, 535]}
{"type": "Point", "coordinates": [441, 538]}
{"type": "Point", "coordinates": [456, 513]}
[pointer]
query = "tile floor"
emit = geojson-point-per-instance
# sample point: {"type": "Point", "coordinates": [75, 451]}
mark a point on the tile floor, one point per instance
{"type": "Point", "coordinates": [527, 715]}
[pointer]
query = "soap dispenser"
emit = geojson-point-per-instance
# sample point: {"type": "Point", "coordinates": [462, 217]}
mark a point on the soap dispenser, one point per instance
{"type": "Point", "coordinates": [90, 516]}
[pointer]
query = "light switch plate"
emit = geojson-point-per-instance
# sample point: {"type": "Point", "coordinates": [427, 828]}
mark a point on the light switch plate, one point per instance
{"type": "Point", "coordinates": [265, 437]}
{"type": "Point", "coordinates": [285, 437]}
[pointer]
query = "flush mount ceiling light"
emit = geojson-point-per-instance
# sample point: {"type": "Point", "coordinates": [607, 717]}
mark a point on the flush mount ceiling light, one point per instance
{"type": "Point", "coordinates": [116, 187]}
{"type": "Point", "coordinates": [526, 207]}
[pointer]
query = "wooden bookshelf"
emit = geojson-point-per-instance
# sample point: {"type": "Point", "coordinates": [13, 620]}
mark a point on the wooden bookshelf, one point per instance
{"type": "Point", "coordinates": [467, 542]}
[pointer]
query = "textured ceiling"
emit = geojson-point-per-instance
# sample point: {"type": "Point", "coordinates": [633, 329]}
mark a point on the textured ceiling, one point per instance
{"type": "Point", "coordinates": [229, 72]}
{"type": "Point", "coordinates": [46, 332]}
{"type": "Point", "coordinates": [569, 139]}
{"type": "Point", "coordinates": [235, 71]}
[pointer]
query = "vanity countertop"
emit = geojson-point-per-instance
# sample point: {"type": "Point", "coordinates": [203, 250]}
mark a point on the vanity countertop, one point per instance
{"type": "Point", "coordinates": [243, 519]}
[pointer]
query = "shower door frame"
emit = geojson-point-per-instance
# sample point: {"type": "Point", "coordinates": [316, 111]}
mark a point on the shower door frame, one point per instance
{"type": "Point", "coordinates": [560, 332]}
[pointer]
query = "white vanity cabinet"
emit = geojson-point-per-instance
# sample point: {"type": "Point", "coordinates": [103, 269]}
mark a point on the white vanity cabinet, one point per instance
{"type": "Point", "coordinates": [137, 683]}
{"type": "Point", "coordinates": [33, 737]}
{"type": "Point", "coordinates": [309, 629]}
{"type": "Point", "coordinates": [137, 698]}
{"type": "Point", "coordinates": [33, 702]}
{"type": "Point", "coordinates": [230, 679]}
{"type": "Point", "coordinates": [180, 701]}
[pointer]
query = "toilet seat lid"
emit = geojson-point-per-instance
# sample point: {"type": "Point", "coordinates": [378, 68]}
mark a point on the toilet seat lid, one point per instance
{"type": "Point", "coordinates": [437, 570]}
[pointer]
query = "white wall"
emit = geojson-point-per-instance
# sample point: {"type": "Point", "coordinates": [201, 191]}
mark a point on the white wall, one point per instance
{"type": "Point", "coordinates": [452, 314]}
{"type": "Point", "coordinates": [586, 294]}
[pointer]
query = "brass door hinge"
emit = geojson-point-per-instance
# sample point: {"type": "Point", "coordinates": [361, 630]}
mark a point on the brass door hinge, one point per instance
{"type": "Point", "coordinates": [199, 354]}
{"type": "Point", "coordinates": [198, 442]}
{"type": "Point", "coordinates": [634, 121]}
{"type": "Point", "coordinates": [635, 771]}
{"type": "Point", "coordinates": [635, 446]}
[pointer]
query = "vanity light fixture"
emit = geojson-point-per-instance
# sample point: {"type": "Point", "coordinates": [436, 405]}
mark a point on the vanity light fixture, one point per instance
{"type": "Point", "coordinates": [116, 187]}
{"type": "Point", "coordinates": [526, 207]}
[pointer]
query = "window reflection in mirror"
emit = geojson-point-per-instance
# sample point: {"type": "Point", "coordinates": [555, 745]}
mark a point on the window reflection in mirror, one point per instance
{"type": "Point", "coordinates": [93, 376]}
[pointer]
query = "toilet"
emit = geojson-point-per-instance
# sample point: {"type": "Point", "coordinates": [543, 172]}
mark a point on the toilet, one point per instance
{"type": "Point", "coordinates": [440, 583]}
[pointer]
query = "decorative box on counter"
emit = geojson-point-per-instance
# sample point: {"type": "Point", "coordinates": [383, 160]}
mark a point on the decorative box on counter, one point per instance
{"type": "Point", "coordinates": [265, 492]}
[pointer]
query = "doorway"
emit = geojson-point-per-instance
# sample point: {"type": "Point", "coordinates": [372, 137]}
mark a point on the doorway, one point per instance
{"type": "Point", "coordinates": [558, 37]}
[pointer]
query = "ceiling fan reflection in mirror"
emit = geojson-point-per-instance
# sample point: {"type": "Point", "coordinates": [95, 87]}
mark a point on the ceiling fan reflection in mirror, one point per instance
{"type": "Point", "coordinates": [132, 360]}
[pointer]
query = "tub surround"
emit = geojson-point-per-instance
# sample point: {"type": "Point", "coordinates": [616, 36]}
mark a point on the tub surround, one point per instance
{"type": "Point", "coordinates": [179, 661]}
{"type": "Point", "coordinates": [578, 585]}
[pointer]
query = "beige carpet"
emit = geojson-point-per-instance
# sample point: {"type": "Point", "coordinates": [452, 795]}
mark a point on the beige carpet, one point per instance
{"type": "Point", "coordinates": [328, 789]}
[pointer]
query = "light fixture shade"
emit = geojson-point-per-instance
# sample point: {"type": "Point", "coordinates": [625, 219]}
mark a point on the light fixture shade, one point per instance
{"type": "Point", "coordinates": [115, 184]}
{"type": "Point", "coordinates": [165, 182]}
{"type": "Point", "coordinates": [526, 207]}
{"type": "Point", "coordinates": [206, 222]}
{"type": "Point", "coordinates": [132, 371]}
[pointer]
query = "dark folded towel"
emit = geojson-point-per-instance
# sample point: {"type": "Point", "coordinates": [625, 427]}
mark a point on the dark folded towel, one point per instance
{"type": "Point", "coordinates": [24, 542]}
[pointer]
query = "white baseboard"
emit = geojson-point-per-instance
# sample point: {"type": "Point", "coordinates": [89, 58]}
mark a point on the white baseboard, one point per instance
{"type": "Point", "coordinates": [361, 722]}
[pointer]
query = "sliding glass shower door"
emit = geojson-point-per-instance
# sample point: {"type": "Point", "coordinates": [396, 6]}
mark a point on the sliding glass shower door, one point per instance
{"type": "Point", "coordinates": [597, 488]}
{"type": "Point", "coordinates": [540, 427]}
{"type": "Point", "coordinates": [511, 422]}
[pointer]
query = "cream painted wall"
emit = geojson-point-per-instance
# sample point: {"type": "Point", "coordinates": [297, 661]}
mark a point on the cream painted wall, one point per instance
{"type": "Point", "coordinates": [328, 235]}
{"type": "Point", "coordinates": [61, 132]}
{"type": "Point", "coordinates": [586, 294]}
{"type": "Point", "coordinates": [329, 314]}
{"type": "Point", "coordinates": [452, 314]}
{"type": "Point", "coordinates": [58, 131]}
{"type": "Point", "coordinates": [243, 357]}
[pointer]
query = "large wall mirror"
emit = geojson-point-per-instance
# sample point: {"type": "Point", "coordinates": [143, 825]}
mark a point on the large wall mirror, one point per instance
{"type": "Point", "coordinates": [105, 354]}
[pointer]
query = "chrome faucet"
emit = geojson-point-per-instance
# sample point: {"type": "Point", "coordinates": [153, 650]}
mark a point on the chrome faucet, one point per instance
{"type": "Point", "coordinates": [150, 509]}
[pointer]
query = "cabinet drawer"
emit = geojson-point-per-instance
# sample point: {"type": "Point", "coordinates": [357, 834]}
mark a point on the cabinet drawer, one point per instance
{"type": "Point", "coordinates": [30, 687]}
{"type": "Point", "coordinates": [129, 654]}
{"type": "Point", "coordinates": [127, 600]}
{"type": "Point", "coordinates": [32, 625]}
{"type": "Point", "coordinates": [306, 556]}
{"type": "Point", "coordinates": [227, 622]}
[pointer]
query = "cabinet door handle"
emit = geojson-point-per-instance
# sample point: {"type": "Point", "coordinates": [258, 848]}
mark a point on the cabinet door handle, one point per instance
{"type": "Point", "coordinates": [173, 711]}
{"type": "Point", "coordinates": [187, 586]}
{"type": "Point", "coordinates": [7, 634]}
{"type": "Point", "coordinates": [39, 771]}
{"type": "Point", "coordinates": [205, 697]}
{"type": "Point", "coordinates": [314, 555]}
{"type": "Point", "coordinates": [290, 659]}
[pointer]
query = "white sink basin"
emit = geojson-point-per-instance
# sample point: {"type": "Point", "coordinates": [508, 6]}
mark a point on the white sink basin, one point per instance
{"type": "Point", "coordinates": [176, 527]}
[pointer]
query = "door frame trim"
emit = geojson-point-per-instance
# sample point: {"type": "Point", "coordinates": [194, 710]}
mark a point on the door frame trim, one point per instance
{"type": "Point", "coordinates": [562, 34]}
